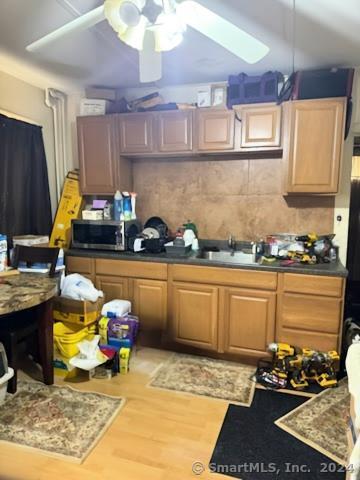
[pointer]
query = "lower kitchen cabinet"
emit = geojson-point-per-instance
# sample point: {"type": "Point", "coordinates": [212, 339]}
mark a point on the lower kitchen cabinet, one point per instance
{"type": "Point", "coordinates": [248, 321]}
{"type": "Point", "coordinates": [233, 312]}
{"type": "Point", "coordinates": [150, 303]}
{"type": "Point", "coordinates": [194, 315]}
{"type": "Point", "coordinates": [114, 287]}
{"type": "Point", "coordinates": [82, 265]}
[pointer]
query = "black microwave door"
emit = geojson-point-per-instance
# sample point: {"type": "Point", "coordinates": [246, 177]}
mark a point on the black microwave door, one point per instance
{"type": "Point", "coordinates": [92, 234]}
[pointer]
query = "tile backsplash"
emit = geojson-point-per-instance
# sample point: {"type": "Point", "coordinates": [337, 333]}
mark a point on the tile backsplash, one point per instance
{"type": "Point", "coordinates": [241, 197]}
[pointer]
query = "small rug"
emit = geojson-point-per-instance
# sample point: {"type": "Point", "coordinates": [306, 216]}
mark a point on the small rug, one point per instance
{"type": "Point", "coordinates": [56, 421]}
{"type": "Point", "coordinates": [206, 377]}
{"type": "Point", "coordinates": [322, 422]}
{"type": "Point", "coordinates": [251, 447]}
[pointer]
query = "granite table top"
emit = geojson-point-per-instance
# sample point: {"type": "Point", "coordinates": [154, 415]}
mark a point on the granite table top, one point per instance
{"type": "Point", "coordinates": [19, 292]}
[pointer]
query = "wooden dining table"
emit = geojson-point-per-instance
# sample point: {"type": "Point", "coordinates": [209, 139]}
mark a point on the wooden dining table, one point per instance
{"type": "Point", "coordinates": [33, 291]}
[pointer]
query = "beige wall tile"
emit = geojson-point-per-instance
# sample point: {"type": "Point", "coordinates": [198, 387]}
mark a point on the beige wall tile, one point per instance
{"type": "Point", "coordinates": [227, 177]}
{"type": "Point", "coordinates": [265, 177]}
{"type": "Point", "coordinates": [241, 197]}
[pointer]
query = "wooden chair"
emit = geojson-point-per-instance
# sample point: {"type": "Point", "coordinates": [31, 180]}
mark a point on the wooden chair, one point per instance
{"type": "Point", "coordinates": [22, 326]}
{"type": "Point", "coordinates": [31, 255]}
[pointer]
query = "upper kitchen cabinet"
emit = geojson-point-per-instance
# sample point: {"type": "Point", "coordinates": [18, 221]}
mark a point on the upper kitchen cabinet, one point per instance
{"type": "Point", "coordinates": [215, 129]}
{"type": "Point", "coordinates": [175, 131]}
{"type": "Point", "coordinates": [136, 133]}
{"type": "Point", "coordinates": [98, 155]}
{"type": "Point", "coordinates": [313, 140]}
{"type": "Point", "coordinates": [260, 125]}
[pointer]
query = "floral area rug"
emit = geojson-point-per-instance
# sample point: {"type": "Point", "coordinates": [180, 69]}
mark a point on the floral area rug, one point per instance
{"type": "Point", "coordinates": [207, 377]}
{"type": "Point", "coordinates": [56, 421]}
{"type": "Point", "coordinates": [321, 422]}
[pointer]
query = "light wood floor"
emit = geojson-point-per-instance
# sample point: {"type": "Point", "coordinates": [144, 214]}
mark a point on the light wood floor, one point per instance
{"type": "Point", "coordinates": [158, 435]}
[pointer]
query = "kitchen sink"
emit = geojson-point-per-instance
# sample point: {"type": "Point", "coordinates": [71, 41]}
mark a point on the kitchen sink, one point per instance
{"type": "Point", "coordinates": [228, 256]}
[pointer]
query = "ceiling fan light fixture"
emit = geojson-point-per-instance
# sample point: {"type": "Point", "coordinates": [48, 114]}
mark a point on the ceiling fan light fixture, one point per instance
{"type": "Point", "coordinates": [134, 36]}
{"type": "Point", "coordinates": [168, 32]}
{"type": "Point", "coordinates": [129, 13]}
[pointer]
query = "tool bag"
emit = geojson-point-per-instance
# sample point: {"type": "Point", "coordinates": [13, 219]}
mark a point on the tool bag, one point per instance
{"type": "Point", "coordinates": [243, 88]}
{"type": "Point", "coordinates": [323, 83]}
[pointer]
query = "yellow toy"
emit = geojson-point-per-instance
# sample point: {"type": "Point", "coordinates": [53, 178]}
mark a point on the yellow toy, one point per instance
{"type": "Point", "coordinates": [124, 357]}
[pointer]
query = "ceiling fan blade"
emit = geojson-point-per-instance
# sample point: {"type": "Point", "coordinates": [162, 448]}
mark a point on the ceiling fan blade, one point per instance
{"type": "Point", "coordinates": [222, 31]}
{"type": "Point", "coordinates": [150, 67]}
{"type": "Point", "coordinates": [81, 23]}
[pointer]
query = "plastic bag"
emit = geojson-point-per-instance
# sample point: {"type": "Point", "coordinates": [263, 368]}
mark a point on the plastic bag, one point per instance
{"type": "Point", "coordinates": [90, 355]}
{"type": "Point", "coordinates": [77, 287]}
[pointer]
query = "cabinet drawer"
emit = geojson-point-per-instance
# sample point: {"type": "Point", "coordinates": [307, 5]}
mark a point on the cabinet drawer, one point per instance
{"type": "Point", "coordinates": [133, 269]}
{"type": "Point", "coordinates": [316, 341]}
{"type": "Point", "coordinates": [81, 265]}
{"type": "Point", "coordinates": [224, 276]}
{"type": "Point", "coordinates": [313, 284]}
{"type": "Point", "coordinates": [307, 312]}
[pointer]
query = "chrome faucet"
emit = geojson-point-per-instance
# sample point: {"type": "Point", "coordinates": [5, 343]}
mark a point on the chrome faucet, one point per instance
{"type": "Point", "coordinates": [232, 244]}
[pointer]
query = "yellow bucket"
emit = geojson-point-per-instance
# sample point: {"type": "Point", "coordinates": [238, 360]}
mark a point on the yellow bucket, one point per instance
{"type": "Point", "coordinates": [67, 336]}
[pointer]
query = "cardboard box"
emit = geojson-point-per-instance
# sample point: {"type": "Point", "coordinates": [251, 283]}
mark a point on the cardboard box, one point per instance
{"type": "Point", "coordinates": [31, 240]}
{"type": "Point", "coordinates": [69, 208]}
{"type": "Point", "coordinates": [94, 106]}
{"type": "Point", "coordinates": [101, 93]}
{"type": "Point", "coordinates": [76, 311]}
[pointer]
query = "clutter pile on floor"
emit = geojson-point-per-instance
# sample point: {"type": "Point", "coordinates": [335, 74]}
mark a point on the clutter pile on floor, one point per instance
{"type": "Point", "coordinates": [90, 335]}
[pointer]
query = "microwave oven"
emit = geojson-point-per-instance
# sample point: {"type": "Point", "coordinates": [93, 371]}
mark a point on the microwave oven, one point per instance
{"type": "Point", "coordinates": [104, 234]}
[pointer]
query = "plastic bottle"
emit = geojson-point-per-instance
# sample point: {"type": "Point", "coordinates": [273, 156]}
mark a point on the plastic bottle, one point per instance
{"type": "Point", "coordinates": [127, 206]}
{"type": "Point", "coordinates": [117, 205]}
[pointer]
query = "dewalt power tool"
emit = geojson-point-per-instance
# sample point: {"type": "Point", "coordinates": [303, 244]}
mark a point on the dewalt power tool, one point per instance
{"type": "Point", "coordinates": [301, 366]}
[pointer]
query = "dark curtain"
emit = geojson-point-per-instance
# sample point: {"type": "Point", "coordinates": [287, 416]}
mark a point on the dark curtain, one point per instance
{"type": "Point", "coordinates": [353, 256]}
{"type": "Point", "coordinates": [24, 188]}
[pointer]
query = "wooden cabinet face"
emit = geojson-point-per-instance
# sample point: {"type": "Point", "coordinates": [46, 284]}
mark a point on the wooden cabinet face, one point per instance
{"type": "Point", "coordinates": [249, 321]}
{"type": "Point", "coordinates": [98, 154]}
{"type": "Point", "coordinates": [215, 129]}
{"type": "Point", "coordinates": [136, 133]}
{"type": "Point", "coordinates": [113, 287]}
{"type": "Point", "coordinates": [150, 303]}
{"type": "Point", "coordinates": [175, 131]}
{"type": "Point", "coordinates": [313, 146]}
{"type": "Point", "coordinates": [84, 266]}
{"type": "Point", "coordinates": [195, 315]}
{"type": "Point", "coordinates": [260, 126]}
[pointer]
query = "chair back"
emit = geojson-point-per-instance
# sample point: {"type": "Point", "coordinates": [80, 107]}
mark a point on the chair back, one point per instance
{"type": "Point", "coordinates": [31, 255]}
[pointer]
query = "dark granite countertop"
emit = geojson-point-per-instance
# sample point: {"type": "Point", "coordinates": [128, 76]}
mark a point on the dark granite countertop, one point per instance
{"type": "Point", "coordinates": [25, 290]}
{"type": "Point", "coordinates": [326, 269]}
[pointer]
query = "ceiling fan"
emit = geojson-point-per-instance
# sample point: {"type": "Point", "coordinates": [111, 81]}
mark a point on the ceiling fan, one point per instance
{"type": "Point", "coordinates": [155, 26]}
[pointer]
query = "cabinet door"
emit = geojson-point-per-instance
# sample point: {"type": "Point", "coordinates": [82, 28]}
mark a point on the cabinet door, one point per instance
{"type": "Point", "coordinates": [114, 288]}
{"type": "Point", "coordinates": [136, 133]}
{"type": "Point", "coordinates": [83, 265]}
{"type": "Point", "coordinates": [195, 315]}
{"type": "Point", "coordinates": [260, 125]}
{"type": "Point", "coordinates": [150, 303]}
{"type": "Point", "coordinates": [175, 131]}
{"type": "Point", "coordinates": [98, 154]}
{"type": "Point", "coordinates": [313, 145]}
{"type": "Point", "coordinates": [248, 321]}
{"type": "Point", "coordinates": [215, 129]}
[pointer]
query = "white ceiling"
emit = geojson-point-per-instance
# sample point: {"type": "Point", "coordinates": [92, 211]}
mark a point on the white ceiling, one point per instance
{"type": "Point", "coordinates": [326, 33]}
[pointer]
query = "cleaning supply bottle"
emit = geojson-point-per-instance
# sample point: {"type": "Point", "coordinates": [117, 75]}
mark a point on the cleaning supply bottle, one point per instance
{"type": "Point", "coordinates": [133, 205]}
{"type": "Point", "coordinates": [117, 205]}
{"type": "Point", "coordinates": [126, 206]}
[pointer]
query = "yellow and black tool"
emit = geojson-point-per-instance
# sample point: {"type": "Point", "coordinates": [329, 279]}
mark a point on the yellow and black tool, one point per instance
{"type": "Point", "coordinates": [302, 366]}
